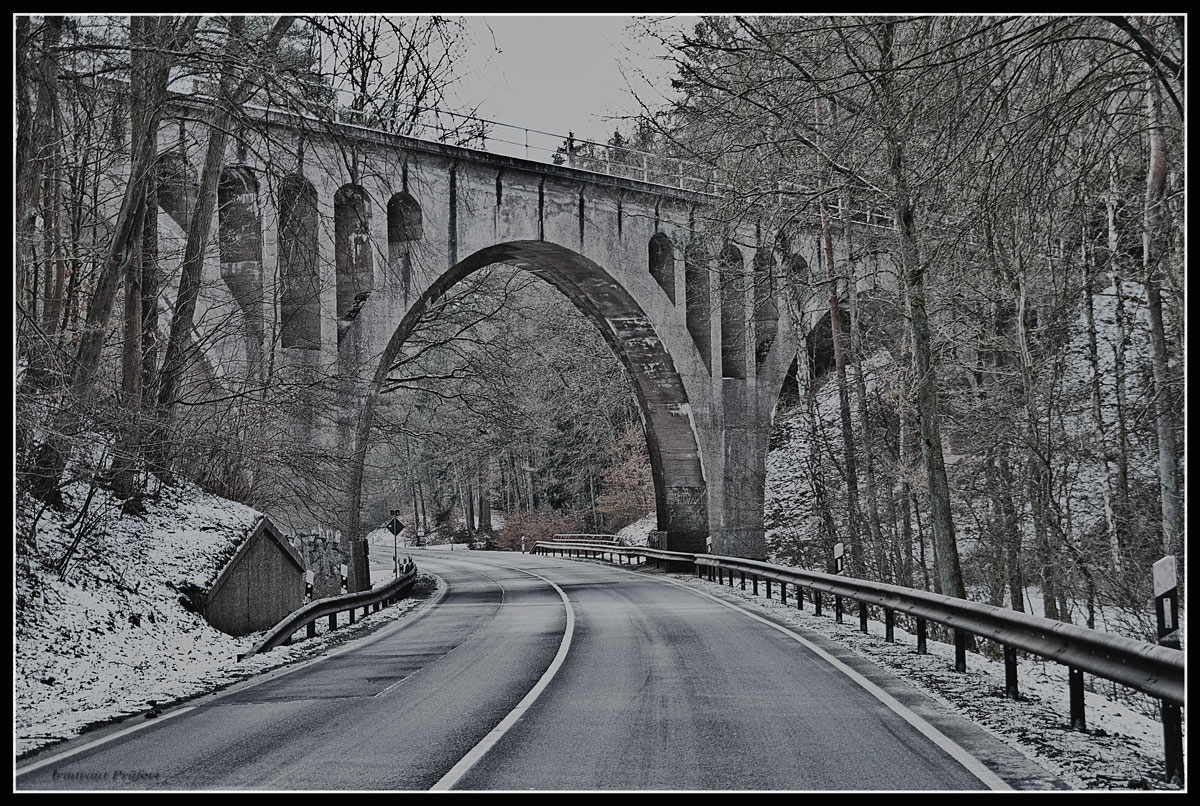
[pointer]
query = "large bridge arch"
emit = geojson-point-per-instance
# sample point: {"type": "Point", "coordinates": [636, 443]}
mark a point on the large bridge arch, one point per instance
{"type": "Point", "coordinates": [674, 447]}
{"type": "Point", "coordinates": [707, 365]}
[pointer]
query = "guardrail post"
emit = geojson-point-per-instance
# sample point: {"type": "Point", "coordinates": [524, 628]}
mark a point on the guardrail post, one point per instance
{"type": "Point", "coordinates": [837, 609]}
{"type": "Point", "coordinates": [1075, 679]}
{"type": "Point", "coordinates": [768, 589]}
{"type": "Point", "coordinates": [799, 598]}
{"type": "Point", "coordinates": [743, 575]}
{"type": "Point", "coordinates": [731, 578]}
{"type": "Point", "coordinates": [783, 593]}
{"type": "Point", "coordinates": [352, 614]}
{"type": "Point", "coordinates": [816, 603]}
{"type": "Point", "coordinates": [720, 575]}
{"type": "Point", "coordinates": [1010, 673]}
{"type": "Point", "coordinates": [333, 621]}
{"type": "Point", "coordinates": [862, 617]}
{"type": "Point", "coordinates": [922, 634]}
{"type": "Point", "coordinates": [889, 625]}
{"type": "Point", "coordinates": [960, 650]}
{"type": "Point", "coordinates": [755, 578]}
{"type": "Point", "coordinates": [311, 631]}
{"type": "Point", "coordinates": [1173, 741]}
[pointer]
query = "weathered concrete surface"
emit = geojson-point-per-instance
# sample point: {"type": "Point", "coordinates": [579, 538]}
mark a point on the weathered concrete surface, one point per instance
{"type": "Point", "coordinates": [387, 223]}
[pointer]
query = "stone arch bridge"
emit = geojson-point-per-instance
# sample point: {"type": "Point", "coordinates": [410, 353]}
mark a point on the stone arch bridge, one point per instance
{"type": "Point", "coordinates": [332, 240]}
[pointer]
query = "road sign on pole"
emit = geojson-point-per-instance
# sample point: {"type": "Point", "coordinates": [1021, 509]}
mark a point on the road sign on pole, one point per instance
{"type": "Point", "coordinates": [395, 527]}
{"type": "Point", "coordinates": [839, 557]}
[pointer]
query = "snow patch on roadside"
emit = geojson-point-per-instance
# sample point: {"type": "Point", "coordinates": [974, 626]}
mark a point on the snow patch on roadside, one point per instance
{"type": "Point", "coordinates": [638, 532]}
{"type": "Point", "coordinates": [111, 636]}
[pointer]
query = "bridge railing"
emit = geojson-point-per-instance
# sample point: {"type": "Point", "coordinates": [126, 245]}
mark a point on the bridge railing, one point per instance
{"type": "Point", "coordinates": [1151, 669]}
{"type": "Point", "coordinates": [374, 599]}
{"type": "Point", "coordinates": [380, 114]}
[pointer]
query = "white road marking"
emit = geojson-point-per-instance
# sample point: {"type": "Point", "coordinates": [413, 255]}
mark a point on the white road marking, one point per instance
{"type": "Point", "coordinates": [952, 748]}
{"type": "Point", "coordinates": [237, 688]}
{"type": "Point", "coordinates": [37, 765]}
{"type": "Point", "coordinates": [477, 752]}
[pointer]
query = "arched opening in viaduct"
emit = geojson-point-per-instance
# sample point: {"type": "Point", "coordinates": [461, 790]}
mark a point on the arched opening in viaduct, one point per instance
{"type": "Point", "coordinates": [239, 238]}
{"type": "Point", "coordinates": [698, 300]}
{"type": "Point", "coordinates": [662, 263]}
{"type": "Point", "coordinates": [351, 253]}
{"type": "Point", "coordinates": [299, 260]}
{"type": "Point", "coordinates": [673, 447]}
{"type": "Point", "coordinates": [176, 187]}
{"type": "Point", "coordinates": [730, 270]}
{"type": "Point", "coordinates": [766, 311]}
{"type": "Point", "coordinates": [404, 227]}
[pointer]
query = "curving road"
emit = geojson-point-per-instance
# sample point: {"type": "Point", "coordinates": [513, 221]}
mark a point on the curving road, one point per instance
{"type": "Point", "coordinates": [547, 674]}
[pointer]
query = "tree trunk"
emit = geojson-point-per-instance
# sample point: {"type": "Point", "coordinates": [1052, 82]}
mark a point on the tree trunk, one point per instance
{"type": "Point", "coordinates": [151, 39]}
{"type": "Point", "coordinates": [49, 137]}
{"type": "Point", "coordinates": [485, 503]}
{"type": "Point", "coordinates": [857, 562]}
{"type": "Point", "coordinates": [904, 490]}
{"type": "Point", "coordinates": [25, 164]}
{"type": "Point", "coordinates": [1152, 255]}
{"type": "Point", "coordinates": [913, 271]}
{"type": "Point", "coordinates": [1122, 448]}
{"type": "Point", "coordinates": [149, 285]}
{"type": "Point", "coordinates": [200, 226]}
{"type": "Point", "coordinates": [125, 455]}
{"type": "Point", "coordinates": [860, 393]}
{"type": "Point", "coordinates": [1099, 427]}
{"type": "Point", "coordinates": [816, 475]}
{"type": "Point", "coordinates": [1013, 554]}
{"type": "Point", "coordinates": [414, 489]}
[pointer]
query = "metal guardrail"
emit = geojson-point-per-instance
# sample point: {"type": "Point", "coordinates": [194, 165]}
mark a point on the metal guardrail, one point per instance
{"type": "Point", "coordinates": [607, 540]}
{"type": "Point", "coordinates": [596, 549]}
{"type": "Point", "coordinates": [1155, 670]}
{"type": "Point", "coordinates": [376, 598]}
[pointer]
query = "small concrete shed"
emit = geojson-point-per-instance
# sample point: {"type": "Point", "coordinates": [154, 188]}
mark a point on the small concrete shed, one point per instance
{"type": "Point", "coordinates": [261, 584]}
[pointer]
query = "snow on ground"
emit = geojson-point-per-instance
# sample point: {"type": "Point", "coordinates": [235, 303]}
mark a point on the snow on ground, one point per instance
{"type": "Point", "coordinates": [110, 637]}
{"type": "Point", "coordinates": [638, 532]}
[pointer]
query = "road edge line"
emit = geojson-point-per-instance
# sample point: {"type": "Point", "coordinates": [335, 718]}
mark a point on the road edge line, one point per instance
{"type": "Point", "coordinates": [952, 748]}
{"type": "Point", "coordinates": [249, 683]}
{"type": "Point", "coordinates": [473, 756]}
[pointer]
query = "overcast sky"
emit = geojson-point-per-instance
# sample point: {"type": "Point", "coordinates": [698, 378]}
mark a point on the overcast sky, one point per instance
{"type": "Point", "coordinates": [560, 74]}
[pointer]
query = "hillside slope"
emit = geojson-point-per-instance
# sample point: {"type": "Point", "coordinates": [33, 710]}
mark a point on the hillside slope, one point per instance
{"type": "Point", "coordinates": [111, 635]}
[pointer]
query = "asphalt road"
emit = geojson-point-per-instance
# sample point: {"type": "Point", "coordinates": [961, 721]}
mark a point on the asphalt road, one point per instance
{"type": "Point", "coordinates": [547, 674]}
